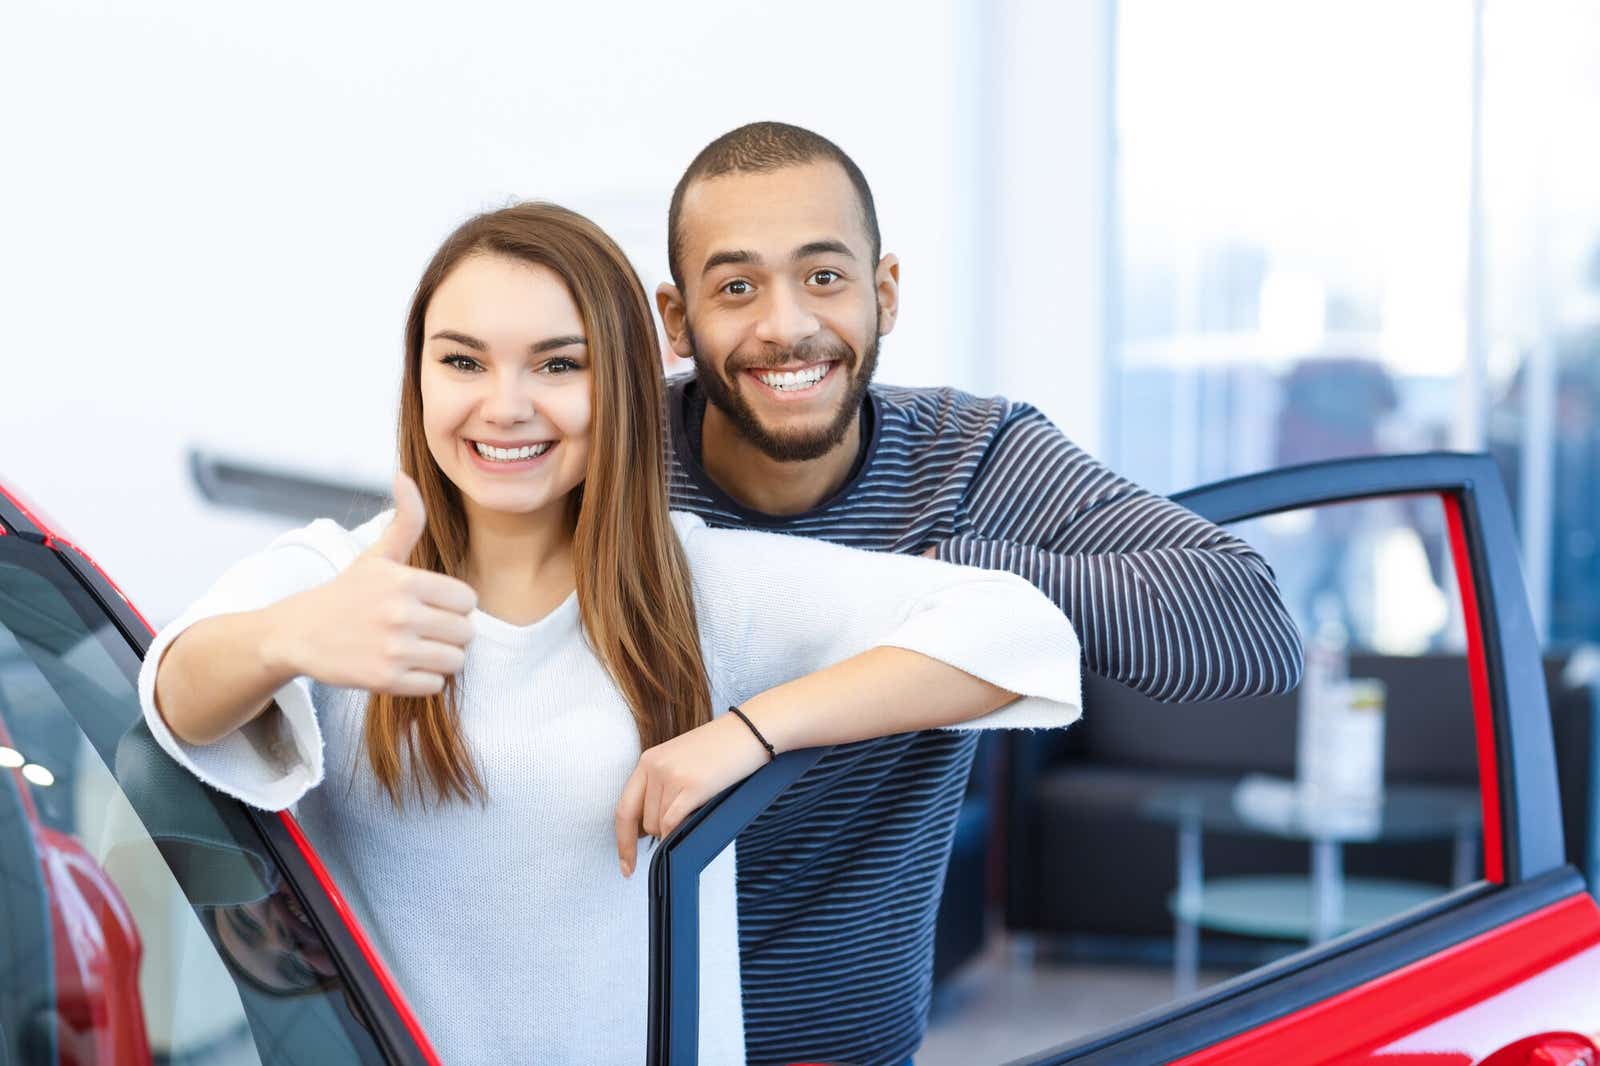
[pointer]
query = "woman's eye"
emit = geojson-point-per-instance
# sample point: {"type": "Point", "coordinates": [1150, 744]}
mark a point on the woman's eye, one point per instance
{"type": "Point", "coordinates": [562, 366]}
{"type": "Point", "coordinates": [825, 277]}
{"type": "Point", "coordinates": [737, 288]}
{"type": "Point", "coordinates": [460, 362]}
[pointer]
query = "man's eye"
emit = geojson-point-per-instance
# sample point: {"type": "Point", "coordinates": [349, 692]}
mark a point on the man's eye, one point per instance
{"type": "Point", "coordinates": [737, 288]}
{"type": "Point", "coordinates": [825, 277]}
{"type": "Point", "coordinates": [460, 362]}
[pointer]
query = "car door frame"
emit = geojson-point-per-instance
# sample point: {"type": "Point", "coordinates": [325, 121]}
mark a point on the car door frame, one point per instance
{"type": "Point", "coordinates": [1526, 875]}
{"type": "Point", "coordinates": [394, 1024]}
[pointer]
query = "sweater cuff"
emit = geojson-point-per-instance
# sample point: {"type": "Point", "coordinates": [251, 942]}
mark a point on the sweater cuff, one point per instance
{"type": "Point", "coordinates": [269, 763]}
{"type": "Point", "coordinates": [1043, 666]}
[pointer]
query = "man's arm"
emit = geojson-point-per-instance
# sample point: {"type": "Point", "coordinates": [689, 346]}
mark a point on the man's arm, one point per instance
{"type": "Point", "coordinates": [1163, 600]}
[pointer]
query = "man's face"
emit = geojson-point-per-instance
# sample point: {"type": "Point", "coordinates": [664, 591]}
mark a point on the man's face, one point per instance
{"type": "Point", "coordinates": [781, 307]}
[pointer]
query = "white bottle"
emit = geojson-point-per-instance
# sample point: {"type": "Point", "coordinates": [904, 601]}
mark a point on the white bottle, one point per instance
{"type": "Point", "coordinates": [1339, 748]}
{"type": "Point", "coordinates": [1327, 668]}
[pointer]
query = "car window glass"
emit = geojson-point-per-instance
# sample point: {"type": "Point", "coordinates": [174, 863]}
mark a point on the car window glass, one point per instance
{"type": "Point", "coordinates": [143, 920]}
{"type": "Point", "coordinates": [1158, 849]}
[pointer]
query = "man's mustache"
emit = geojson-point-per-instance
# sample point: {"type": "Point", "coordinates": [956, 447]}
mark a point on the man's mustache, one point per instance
{"type": "Point", "coordinates": [803, 356]}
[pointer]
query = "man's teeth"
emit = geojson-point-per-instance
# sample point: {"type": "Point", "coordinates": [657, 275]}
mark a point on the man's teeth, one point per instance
{"type": "Point", "coordinates": [506, 455]}
{"type": "Point", "coordinates": [783, 380]}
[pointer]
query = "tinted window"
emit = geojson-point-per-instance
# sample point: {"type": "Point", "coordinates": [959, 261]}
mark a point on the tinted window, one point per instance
{"type": "Point", "coordinates": [141, 917]}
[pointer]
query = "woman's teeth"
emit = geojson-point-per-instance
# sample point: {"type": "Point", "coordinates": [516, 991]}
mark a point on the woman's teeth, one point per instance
{"type": "Point", "coordinates": [784, 380]}
{"type": "Point", "coordinates": [508, 455]}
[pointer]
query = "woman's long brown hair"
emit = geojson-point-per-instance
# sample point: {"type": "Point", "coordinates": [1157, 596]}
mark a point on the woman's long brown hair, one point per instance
{"type": "Point", "coordinates": [634, 591]}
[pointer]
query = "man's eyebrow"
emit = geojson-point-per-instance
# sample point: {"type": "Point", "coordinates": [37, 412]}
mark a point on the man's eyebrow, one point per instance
{"type": "Point", "coordinates": [738, 255]}
{"type": "Point", "coordinates": [548, 345]}
{"type": "Point", "coordinates": [811, 248]}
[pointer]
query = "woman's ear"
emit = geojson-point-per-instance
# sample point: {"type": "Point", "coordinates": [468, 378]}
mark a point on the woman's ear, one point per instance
{"type": "Point", "coordinates": [674, 319]}
{"type": "Point", "coordinates": [887, 279]}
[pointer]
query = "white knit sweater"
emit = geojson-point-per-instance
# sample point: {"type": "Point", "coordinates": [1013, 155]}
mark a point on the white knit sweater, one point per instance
{"type": "Point", "coordinates": [509, 927]}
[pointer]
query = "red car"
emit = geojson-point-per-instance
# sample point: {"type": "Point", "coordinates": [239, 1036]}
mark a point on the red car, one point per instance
{"type": "Point", "coordinates": [144, 918]}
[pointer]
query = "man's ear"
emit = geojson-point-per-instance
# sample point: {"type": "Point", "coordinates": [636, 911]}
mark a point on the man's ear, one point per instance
{"type": "Point", "coordinates": [674, 319]}
{"type": "Point", "coordinates": [888, 282]}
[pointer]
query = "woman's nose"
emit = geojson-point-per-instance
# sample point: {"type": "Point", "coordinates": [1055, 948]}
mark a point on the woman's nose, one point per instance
{"type": "Point", "coordinates": [510, 400]}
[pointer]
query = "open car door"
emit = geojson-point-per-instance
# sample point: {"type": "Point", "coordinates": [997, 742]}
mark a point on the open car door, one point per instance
{"type": "Point", "coordinates": [1503, 971]}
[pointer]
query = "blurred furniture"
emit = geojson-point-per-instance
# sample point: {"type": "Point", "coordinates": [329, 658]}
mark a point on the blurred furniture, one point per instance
{"type": "Point", "coordinates": [1089, 872]}
{"type": "Point", "coordinates": [1295, 906]}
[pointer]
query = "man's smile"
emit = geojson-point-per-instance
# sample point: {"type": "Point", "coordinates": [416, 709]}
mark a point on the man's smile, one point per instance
{"type": "Point", "coordinates": [794, 383]}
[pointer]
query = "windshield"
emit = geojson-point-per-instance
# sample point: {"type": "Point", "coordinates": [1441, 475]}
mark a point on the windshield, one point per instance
{"type": "Point", "coordinates": [142, 919]}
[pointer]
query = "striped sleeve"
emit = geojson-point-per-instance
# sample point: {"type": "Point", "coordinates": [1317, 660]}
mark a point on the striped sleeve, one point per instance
{"type": "Point", "coordinates": [1163, 600]}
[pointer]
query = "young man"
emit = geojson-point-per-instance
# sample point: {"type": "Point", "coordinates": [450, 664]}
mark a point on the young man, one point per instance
{"type": "Point", "coordinates": [780, 295]}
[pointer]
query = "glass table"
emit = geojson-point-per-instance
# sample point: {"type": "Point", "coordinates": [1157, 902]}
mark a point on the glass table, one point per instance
{"type": "Point", "coordinates": [1310, 907]}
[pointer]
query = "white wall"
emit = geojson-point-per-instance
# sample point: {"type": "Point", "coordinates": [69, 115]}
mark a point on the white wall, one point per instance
{"type": "Point", "coordinates": [213, 216]}
{"type": "Point", "coordinates": [1052, 117]}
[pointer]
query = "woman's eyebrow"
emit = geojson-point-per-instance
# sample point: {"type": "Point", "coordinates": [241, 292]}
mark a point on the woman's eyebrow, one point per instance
{"type": "Point", "coordinates": [553, 343]}
{"type": "Point", "coordinates": [550, 344]}
{"type": "Point", "coordinates": [460, 338]}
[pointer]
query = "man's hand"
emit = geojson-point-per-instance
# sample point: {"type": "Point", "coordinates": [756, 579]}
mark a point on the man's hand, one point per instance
{"type": "Point", "coordinates": [675, 778]}
{"type": "Point", "coordinates": [931, 552]}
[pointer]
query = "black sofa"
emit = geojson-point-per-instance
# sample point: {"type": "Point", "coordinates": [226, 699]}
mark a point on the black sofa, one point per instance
{"type": "Point", "coordinates": [1086, 873]}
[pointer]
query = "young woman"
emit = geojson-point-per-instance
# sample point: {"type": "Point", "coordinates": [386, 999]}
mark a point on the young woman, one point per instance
{"type": "Point", "coordinates": [456, 695]}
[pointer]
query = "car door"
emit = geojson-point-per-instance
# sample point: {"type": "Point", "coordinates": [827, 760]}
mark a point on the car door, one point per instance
{"type": "Point", "coordinates": [144, 917]}
{"type": "Point", "coordinates": [1500, 971]}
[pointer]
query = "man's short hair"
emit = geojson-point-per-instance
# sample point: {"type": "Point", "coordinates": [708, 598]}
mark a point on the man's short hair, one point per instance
{"type": "Point", "coordinates": [758, 148]}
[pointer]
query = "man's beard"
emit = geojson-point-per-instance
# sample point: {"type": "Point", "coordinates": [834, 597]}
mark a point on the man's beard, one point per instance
{"type": "Point", "coordinates": [791, 447]}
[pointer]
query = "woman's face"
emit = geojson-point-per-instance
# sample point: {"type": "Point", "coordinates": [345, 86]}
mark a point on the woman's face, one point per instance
{"type": "Point", "coordinates": [506, 385]}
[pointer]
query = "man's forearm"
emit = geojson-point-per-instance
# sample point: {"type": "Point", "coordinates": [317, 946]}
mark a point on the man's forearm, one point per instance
{"type": "Point", "coordinates": [1181, 623]}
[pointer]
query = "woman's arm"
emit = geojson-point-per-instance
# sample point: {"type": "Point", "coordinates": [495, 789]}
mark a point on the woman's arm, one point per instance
{"type": "Point", "coordinates": [221, 673]}
{"type": "Point", "coordinates": [283, 618]}
{"type": "Point", "coordinates": [378, 625]}
{"type": "Point", "coordinates": [876, 693]}
{"type": "Point", "coordinates": [824, 645]}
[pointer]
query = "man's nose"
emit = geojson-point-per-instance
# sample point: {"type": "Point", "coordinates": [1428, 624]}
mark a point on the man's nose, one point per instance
{"type": "Point", "coordinates": [785, 320]}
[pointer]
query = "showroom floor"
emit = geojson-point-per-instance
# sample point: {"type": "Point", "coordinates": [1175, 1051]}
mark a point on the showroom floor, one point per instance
{"type": "Point", "coordinates": [1004, 1006]}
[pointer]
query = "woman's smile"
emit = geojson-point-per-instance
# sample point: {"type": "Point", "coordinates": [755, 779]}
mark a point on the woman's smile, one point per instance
{"type": "Point", "coordinates": [509, 457]}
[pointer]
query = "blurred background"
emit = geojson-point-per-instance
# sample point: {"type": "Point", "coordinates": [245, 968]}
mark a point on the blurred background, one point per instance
{"type": "Point", "coordinates": [1206, 239]}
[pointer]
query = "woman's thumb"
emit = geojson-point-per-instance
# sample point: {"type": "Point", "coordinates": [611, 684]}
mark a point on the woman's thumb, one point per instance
{"type": "Point", "coordinates": [410, 520]}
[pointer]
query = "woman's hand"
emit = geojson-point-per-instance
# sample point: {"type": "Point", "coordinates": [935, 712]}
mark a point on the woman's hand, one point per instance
{"type": "Point", "coordinates": [675, 778]}
{"type": "Point", "coordinates": [380, 625]}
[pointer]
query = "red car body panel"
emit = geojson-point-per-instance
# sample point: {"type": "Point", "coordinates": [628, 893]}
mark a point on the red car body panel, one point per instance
{"type": "Point", "coordinates": [1542, 970]}
{"type": "Point", "coordinates": [97, 951]}
{"type": "Point", "coordinates": [94, 947]}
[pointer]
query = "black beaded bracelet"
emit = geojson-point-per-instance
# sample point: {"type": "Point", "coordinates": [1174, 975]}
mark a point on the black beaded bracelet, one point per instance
{"type": "Point", "coordinates": [753, 729]}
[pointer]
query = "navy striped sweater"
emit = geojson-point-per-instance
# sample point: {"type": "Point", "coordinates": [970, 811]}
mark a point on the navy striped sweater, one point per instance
{"type": "Point", "coordinates": [839, 880]}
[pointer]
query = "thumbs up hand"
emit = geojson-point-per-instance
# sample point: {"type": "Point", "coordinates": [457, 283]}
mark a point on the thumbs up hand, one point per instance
{"type": "Point", "coordinates": [383, 625]}
{"type": "Point", "coordinates": [401, 535]}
